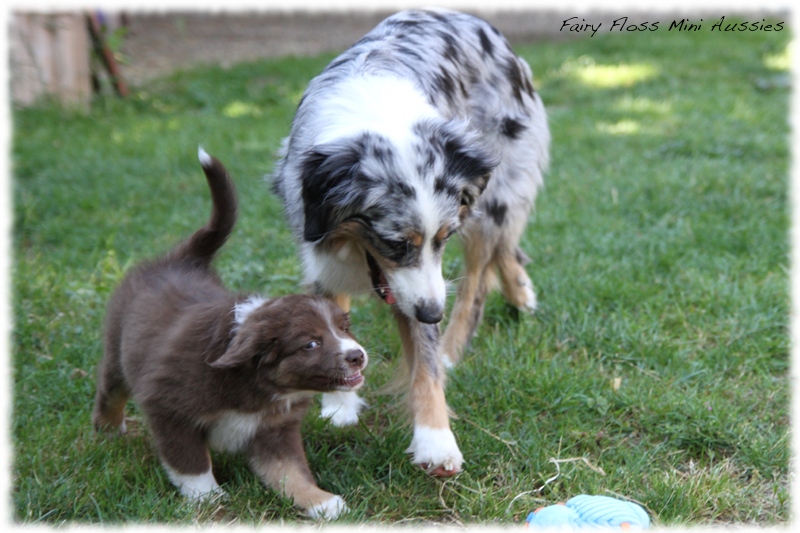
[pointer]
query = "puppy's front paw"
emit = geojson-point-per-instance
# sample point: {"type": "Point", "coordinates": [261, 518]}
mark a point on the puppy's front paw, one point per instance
{"type": "Point", "coordinates": [329, 509]}
{"type": "Point", "coordinates": [436, 451]}
{"type": "Point", "coordinates": [195, 487]}
{"type": "Point", "coordinates": [342, 408]}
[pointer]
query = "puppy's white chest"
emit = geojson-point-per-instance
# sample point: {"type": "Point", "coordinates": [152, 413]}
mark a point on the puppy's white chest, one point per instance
{"type": "Point", "coordinates": [233, 430]}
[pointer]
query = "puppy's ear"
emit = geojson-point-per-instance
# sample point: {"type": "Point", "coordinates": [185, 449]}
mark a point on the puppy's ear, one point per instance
{"type": "Point", "coordinates": [328, 176]}
{"type": "Point", "coordinates": [247, 347]}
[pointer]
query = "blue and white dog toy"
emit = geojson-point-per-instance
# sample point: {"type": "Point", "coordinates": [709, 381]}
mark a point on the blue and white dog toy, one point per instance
{"type": "Point", "coordinates": [590, 512]}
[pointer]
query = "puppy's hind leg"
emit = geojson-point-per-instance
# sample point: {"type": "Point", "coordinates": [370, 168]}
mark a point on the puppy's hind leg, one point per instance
{"type": "Point", "coordinates": [111, 396]}
{"type": "Point", "coordinates": [109, 409]}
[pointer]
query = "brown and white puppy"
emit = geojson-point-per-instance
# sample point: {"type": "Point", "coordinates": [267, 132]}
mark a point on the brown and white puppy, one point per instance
{"type": "Point", "coordinates": [211, 369]}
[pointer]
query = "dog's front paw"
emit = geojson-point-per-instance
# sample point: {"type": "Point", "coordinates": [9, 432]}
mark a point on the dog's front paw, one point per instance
{"type": "Point", "coordinates": [342, 408]}
{"type": "Point", "coordinates": [329, 509]}
{"type": "Point", "coordinates": [436, 451]}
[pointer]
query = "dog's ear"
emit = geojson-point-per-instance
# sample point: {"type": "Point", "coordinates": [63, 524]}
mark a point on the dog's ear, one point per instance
{"type": "Point", "coordinates": [466, 161]}
{"type": "Point", "coordinates": [327, 175]}
{"type": "Point", "coordinates": [472, 166]}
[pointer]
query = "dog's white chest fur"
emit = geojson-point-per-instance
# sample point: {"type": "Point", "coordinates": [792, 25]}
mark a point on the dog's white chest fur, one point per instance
{"type": "Point", "coordinates": [233, 430]}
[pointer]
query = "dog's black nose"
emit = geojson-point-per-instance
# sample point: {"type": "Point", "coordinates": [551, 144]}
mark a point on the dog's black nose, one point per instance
{"type": "Point", "coordinates": [429, 313]}
{"type": "Point", "coordinates": [355, 358]}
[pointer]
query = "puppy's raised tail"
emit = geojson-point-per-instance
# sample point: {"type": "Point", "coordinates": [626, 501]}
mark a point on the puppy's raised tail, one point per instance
{"type": "Point", "coordinates": [204, 243]}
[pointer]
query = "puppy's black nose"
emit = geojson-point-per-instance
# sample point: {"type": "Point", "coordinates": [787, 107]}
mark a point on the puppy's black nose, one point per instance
{"type": "Point", "coordinates": [429, 313]}
{"type": "Point", "coordinates": [355, 358]}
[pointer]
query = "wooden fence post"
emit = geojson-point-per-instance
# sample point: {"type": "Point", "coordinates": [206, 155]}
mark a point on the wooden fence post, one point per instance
{"type": "Point", "coordinates": [50, 55]}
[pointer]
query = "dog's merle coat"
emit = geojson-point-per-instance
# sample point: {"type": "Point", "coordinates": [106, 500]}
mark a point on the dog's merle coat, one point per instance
{"type": "Point", "coordinates": [429, 125]}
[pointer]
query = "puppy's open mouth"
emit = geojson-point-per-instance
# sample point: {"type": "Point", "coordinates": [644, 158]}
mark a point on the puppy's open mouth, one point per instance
{"type": "Point", "coordinates": [379, 283]}
{"type": "Point", "coordinates": [352, 381]}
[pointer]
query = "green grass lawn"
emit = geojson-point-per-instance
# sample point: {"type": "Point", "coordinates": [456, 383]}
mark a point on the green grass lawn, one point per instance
{"type": "Point", "coordinates": [656, 369]}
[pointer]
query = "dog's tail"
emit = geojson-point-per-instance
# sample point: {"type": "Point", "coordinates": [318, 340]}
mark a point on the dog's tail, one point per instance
{"type": "Point", "coordinates": [204, 243]}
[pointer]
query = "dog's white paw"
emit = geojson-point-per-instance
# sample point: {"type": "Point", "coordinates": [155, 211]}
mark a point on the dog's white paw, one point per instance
{"type": "Point", "coordinates": [436, 451]}
{"type": "Point", "coordinates": [342, 407]}
{"type": "Point", "coordinates": [529, 298]}
{"type": "Point", "coordinates": [447, 362]}
{"type": "Point", "coordinates": [329, 509]}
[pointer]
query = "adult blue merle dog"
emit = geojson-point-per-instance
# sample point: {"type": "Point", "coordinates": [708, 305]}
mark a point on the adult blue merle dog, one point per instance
{"type": "Point", "coordinates": [427, 127]}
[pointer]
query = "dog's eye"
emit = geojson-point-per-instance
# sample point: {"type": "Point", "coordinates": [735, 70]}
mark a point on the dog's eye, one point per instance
{"type": "Point", "coordinates": [443, 236]}
{"type": "Point", "coordinates": [311, 345]}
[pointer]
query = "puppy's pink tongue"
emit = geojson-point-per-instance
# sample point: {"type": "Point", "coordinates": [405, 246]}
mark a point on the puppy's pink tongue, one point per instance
{"type": "Point", "coordinates": [388, 296]}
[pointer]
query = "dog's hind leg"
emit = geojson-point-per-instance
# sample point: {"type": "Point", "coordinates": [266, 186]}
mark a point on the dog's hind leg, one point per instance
{"type": "Point", "coordinates": [433, 445]}
{"type": "Point", "coordinates": [478, 280]}
{"type": "Point", "coordinates": [516, 285]}
{"type": "Point", "coordinates": [510, 261]}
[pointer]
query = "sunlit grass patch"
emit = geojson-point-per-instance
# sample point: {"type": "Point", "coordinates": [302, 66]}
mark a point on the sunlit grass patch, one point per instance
{"type": "Point", "coordinates": [782, 60]}
{"type": "Point", "coordinates": [623, 127]}
{"type": "Point", "coordinates": [589, 72]}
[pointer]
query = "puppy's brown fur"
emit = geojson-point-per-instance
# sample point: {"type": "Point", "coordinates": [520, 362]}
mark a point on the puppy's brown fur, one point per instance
{"type": "Point", "coordinates": [212, 369]}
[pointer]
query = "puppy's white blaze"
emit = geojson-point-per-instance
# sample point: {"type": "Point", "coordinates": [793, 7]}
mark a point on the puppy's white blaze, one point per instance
{"type": "Point", "coordinates": [329, 509]}
{"type": "Point", "coordinates": [435, 447]}
{"type": "Point", "coordinates": [194, 486]}
{"type": "Point", "coordinates": [233, 430]}
{"type": "Point", "coordinates": [347, 344]}
{"type": "Point", "coordinates": [342, 407]}
{"type": "Point", "coordinates": [204, 158]}
{"type": "Point", "coordinates": [242, 310]}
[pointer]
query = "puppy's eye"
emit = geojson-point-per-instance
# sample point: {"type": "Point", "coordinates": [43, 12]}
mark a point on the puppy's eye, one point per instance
{"type": "Point", "coordinates": [311, 346]}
